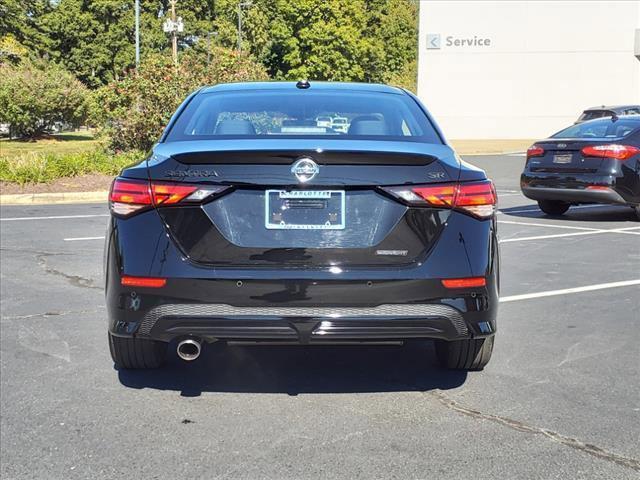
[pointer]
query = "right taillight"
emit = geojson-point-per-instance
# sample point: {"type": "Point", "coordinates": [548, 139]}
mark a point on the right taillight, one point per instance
{"type": "Point", "coordinates": [618, 152]}
{"type": "Point", "coordinates": [477, 198]}
{"type": "Point", "coordinates": [129, 196]}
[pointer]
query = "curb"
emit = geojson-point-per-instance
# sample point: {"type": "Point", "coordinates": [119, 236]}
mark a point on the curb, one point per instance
{"type": "Point", "coordinates": [54, 198]}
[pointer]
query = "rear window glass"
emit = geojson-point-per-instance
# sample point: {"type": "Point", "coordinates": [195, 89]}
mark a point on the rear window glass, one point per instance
{"type": "Point", "coordinates": [604, 128]}
{"type": "Point", "coordinates": [593, 114]}
{"type": "Point", "coordinates": [323, 113]}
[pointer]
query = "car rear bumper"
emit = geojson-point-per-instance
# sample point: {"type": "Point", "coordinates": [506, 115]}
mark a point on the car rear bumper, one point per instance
{"type": "Point", "coordinates": [303, 311]}
{"type": "Point", "coordinates": [306, 325]}
{"type": "Point", "coordinates": [576, 188]}
{"type": "Point", "coordinates": [573, 195]}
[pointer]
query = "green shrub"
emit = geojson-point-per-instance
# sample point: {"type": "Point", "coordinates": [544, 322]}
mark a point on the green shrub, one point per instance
{"type": "Point", "coordinates": [134, 110]}
{"type": "Point", "coordinates": [35, 96]}
{"type": "Point", "coordinates": [39, 167]}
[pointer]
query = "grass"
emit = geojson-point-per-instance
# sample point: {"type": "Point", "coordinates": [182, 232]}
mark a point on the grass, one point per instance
{"type": "Point", "coordinates": [62, 143]}
{"type": "Point", "coordinates": [64, 156]}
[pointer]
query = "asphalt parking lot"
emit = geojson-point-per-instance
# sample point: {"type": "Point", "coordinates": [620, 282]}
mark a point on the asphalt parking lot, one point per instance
{"type": "Point", "coordinates": [560, 399]}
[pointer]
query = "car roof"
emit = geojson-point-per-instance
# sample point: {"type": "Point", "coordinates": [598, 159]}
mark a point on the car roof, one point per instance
{"type": "Point", "coordinates": [613, 107]}
{"type": "Point", "coordinates": [343, 86]}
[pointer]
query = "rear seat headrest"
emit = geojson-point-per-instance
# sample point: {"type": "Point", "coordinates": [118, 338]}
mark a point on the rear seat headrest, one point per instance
{"type": "Point", "coordinates": [368, 126]}
{"type": "Point", "coordinates": [235, 127]}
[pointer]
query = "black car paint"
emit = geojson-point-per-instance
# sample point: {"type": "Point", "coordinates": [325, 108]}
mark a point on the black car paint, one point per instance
{"type": "Point", "coordinates": [146, 244]}
{"type": "Point", "coordinates": [544, 180]}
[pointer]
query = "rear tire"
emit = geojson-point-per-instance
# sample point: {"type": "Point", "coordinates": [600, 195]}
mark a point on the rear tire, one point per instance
{"type": "Point", "coordinates": [637, 210]}
{"type": "Point", "coordinates": [137, 353]}
{"type": "Point", "coordinates": [553, 207]}
{"type": "Point", "coordinates": [473, 354]}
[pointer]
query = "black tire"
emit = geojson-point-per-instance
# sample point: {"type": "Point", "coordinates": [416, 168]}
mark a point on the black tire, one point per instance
{"type": "Point", "coordinates": [471, 354]}
{"type": "Point", "coordinates": [553, 207]}
{"type": "Point", "coordinates": [136, 352]}
{"type": "Point", "coordinates": [637, 210]}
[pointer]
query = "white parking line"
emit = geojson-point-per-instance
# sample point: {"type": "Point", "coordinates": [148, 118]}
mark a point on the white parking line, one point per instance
{"type": "Point", "coordinates": [569, 227]}
{"type": "Point", "coordinates": [565, 291]}
{"type": "Point", "coordinates": [574, 234]}
{"type": "Point", "coordinates": [54, 217]}
{"type": "Point", "coordinates": [75, 239]}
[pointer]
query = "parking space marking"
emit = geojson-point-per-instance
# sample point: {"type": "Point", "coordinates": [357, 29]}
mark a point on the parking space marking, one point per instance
{"type": "Point", "coordinates": [53, 217]}
{"type": "Point", "coordinates": [75, 239]}
{"type": "Point", "coordinates": [565, 291]}
{"type": "Point", "coordinates": [574, 234]}
{"type": "Point", "coordinates": [550, 225]}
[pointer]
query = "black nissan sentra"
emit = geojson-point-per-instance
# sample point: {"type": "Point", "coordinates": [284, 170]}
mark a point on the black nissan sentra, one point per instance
{"type": "Point", "coordinates": [251, 222]}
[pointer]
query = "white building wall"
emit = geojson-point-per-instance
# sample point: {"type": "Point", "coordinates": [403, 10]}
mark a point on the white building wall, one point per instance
{"type": "Point", "coordinates": [533, 67]}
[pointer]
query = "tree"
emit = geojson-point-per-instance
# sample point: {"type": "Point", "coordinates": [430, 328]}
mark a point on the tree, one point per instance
{"type": "Point", "coordinates": [34, 96]}
{"type": "Point", "coordinates": [134, 110]}
{"type": "Point", "coordinates": [359, 40]}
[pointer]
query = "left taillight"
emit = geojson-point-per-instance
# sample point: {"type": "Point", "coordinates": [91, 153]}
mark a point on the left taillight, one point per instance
{"type": "Point", "coordinates": [476, 198]}
{"type": "Point", "coordinates": [131, 196]}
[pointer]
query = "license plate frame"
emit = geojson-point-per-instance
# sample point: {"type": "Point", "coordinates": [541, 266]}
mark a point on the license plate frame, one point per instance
{"type": "Point", "coordinates": [563, 158]}
{"type": "Point", "coordinates": [331, 217]}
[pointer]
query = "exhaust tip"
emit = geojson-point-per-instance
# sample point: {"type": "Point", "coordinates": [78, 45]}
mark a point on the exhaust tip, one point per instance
{"type": "Point", "coordinates": [189, 349]}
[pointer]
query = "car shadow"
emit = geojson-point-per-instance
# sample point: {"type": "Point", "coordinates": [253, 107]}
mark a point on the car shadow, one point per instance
{"type": "Point", "coordinates": [595, 213]}
{"type": "Point", "coordinates": [299, 369]}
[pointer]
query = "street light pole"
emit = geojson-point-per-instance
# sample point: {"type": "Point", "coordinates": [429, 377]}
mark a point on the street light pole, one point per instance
{"type": "Point", "coordinates": [137, 33]}
{"type": "Point", "coordinates": [174, 34]}
{"type": "Point", "coordinates": [240, 5]}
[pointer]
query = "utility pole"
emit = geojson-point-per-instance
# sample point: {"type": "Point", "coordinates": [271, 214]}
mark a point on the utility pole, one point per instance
{"type": "Point", "coordinates": [173, 26]}
{"type": "Point", "coordinates": [240, 5]}
{"type": "Point", "coordinates": [137, 34]}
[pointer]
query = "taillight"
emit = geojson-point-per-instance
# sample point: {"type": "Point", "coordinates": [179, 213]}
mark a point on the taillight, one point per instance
{"type": "Point", "coordinates": [130, 196]}
{"type": "Point", "coordinates": [618, 152]}
{"type": "Point", "coordinates": [535, 151]}
{"type": "Point", "coordinates": [476, 198]}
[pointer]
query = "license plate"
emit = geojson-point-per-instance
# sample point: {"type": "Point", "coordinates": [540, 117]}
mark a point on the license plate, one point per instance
{"type": "Point", "coordinates": [304, 209]}
{"type": "Point", "coordinates": [562, 158]}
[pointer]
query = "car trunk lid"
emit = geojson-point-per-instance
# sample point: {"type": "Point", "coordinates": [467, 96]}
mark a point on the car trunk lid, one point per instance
{"type": "Point", "coordinates": [269, 217]}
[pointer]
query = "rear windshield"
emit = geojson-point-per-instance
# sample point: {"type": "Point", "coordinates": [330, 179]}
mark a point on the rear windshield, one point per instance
{"type": "Point", "coordinates": [593, 114]}
{"type": "Point", "coordinates": [603, 128]}
{"type": "Point", "coordinates": [303, 113]}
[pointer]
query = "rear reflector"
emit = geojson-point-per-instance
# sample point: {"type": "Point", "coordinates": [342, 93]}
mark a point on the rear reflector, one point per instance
{"type": "Point", "coordinates": [535, 151]}
{"type": "Point", "coordinates": [476, 198]}
{"type": "Point", "coordinates": [130, 196]}
{"type": "Point", "coordinates": [149, 282]}
{"type": "Point", "coordinates": [468, 282]}
{"type": "Point", "coordinates": [597, 187]}
{"type": "Point", "coordinates": [618, 152]}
